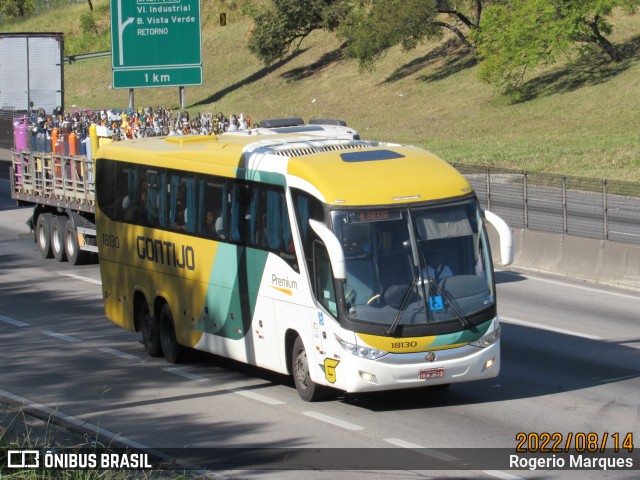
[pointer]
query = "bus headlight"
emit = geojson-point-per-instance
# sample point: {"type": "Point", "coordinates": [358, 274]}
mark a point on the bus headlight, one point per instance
{"type": "Point", "coordinates": [362, 352]}
{"type": "Point", "coordinates": [489, 339]}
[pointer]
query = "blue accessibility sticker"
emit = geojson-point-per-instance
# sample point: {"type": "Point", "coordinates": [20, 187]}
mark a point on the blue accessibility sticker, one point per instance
{"type": "Point", "coordinates": [435, 303]}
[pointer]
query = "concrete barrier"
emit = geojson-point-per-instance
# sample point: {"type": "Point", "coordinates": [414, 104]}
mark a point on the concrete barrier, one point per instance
{"type": "Point", "coordinates": [595, 260]}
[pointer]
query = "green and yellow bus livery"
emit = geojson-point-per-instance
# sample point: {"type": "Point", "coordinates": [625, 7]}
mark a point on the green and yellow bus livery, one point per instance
{"type": "Point", "coordinates": [305, 254]}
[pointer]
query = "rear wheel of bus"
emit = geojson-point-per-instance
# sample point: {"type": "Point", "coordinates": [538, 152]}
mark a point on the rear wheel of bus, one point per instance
{"type": "Point", "coordinates": [149, 328]}
{"type": "Point", "coordinates": [43, 234]}
{"type": "Point", "coordinates": [308, 390]}
{"type": "Point", "coordinates": [173, 352]}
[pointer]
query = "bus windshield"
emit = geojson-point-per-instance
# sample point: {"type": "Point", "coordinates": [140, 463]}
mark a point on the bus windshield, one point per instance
{"type": "Point", "coordinates": [415, 265]}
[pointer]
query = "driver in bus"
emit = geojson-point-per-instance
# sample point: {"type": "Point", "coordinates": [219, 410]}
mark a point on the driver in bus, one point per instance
{"type": "Point", "coordinates": [436, 267]}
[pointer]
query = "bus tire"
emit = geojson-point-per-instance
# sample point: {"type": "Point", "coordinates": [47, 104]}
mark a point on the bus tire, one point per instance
{"type": "Point", "coordinates": [43, 234]}
{"type": "Point", "coordinates": [308, 390]}
{"type": "Point", "coordinates": [57, 238]}
{"type": "Point", "coordinates": [74, 254]}
{"type": "Point", "coordinates": [150, 330]}
{"type": "Point", "coordinates": [173, 351]}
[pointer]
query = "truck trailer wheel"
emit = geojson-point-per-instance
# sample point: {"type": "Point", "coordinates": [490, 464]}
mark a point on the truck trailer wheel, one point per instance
{"type": "Point", "coordinates": [74, 254]}
{"type": "Point", "coordinates": [57, 238]}
{"type": "Point", "coordinates": [43, 234]}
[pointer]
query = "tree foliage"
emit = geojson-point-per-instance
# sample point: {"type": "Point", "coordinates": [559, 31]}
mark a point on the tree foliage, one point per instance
{"type": "Point", "coordinates": [510, 37]}
{"type": "Point", "coordinates": [373, 27]}
{"type": "Point", "coordinates": [370, 27]}
{"type": "Point", "coordinates": [518, 36]}
{"type": "Point", "coordinates": [17, 8]}
{"type": "Point", "coordinates": [283, 25]}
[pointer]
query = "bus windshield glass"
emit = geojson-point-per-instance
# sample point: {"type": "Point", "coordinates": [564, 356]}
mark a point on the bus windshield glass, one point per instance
{"type": "Point", "coordinates": [415, 265]}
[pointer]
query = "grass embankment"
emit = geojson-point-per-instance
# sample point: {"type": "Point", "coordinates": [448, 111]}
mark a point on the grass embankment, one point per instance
{"type": "Point", "coordinates": [579, 118]}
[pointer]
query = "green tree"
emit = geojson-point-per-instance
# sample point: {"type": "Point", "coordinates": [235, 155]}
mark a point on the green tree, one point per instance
{"type": "Point", "coordinates": [518, 36]}
{"type": "Point", "coordinates": [17, 8]}
{"type": "Point", "coordinates": [369, 27]}
{"type": "Point", "coordinates": [284, 24]}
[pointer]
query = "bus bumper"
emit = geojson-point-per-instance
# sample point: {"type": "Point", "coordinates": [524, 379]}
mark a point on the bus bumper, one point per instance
{"type": "Point", "coordinates": [411, 370]}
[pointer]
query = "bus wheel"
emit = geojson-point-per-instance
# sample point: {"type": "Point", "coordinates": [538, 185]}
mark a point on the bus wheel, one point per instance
{"type": "Point", "coordinates": [43, 234]}
{"type": "Point", "coordinates": [150, 331]}
{"type": "Point", "coordinates": [57, 238]}
{"type": "Point", "coordinates": [74, 254]}
{"type": "Point", "coordinates": [173, 352]}
{"type": "Point", "coordinates": [307, 389]}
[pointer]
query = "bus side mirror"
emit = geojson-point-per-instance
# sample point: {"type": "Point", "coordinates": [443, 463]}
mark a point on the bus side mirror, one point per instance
{"type": "Point", "coordinates": [334, 248]}
{"type": "Point", "coordinates": [506, 238]}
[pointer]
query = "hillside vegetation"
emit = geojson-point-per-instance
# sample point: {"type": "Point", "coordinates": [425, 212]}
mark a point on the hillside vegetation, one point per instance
{"type": "Point", "coordinates": [578, 118]}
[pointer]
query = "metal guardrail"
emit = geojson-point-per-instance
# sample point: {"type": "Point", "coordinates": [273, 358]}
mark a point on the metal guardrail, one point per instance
{"type": "Point", "coordinates": [585, 207]}
{"type": "Point", "coordinates": [69, 59]}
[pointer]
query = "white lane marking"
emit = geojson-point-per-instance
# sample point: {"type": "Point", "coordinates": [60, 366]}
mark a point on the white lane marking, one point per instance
{"type": "Point", "coordinates": [502, 475]}
{"type": "Point", "coordinates": [61, 336]}
{"type": "Point", "coordinates": [401, 443]}
{"type": "Point", "coordinates": [426, 451]}
{"type": "Point", "coordinates": [182, 373]}
{"type": "Point", "coordinates": [78, 277]}
{"type": "Point", "coordinates": [14, 322]}
{"type": "Point", "coordinates": [631, 344]}
{"type": "Point", "coordinates": [571, 285]}
{"type": "Point", "coordinates": [118, 353]}
{"type": "Point", "coordinates": [256, 396]}
{"type": "Point", "coordinates": [524, 323]}
{"type": "Point", "coordinates": [333, 421]}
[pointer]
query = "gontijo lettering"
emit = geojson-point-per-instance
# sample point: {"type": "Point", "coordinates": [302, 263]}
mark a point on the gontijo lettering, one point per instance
{"type": "Point", "coordinates": [166, 253]}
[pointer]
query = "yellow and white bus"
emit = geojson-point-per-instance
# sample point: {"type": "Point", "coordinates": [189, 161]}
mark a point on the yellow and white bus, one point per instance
{"type": "Point", "coordinates": [303, 254]}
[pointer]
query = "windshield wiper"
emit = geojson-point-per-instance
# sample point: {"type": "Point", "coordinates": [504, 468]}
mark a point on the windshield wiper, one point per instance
{"type": "Point", "coordinates": [451, 301]}
{"type": "Point", "coordinates": [403, 307]}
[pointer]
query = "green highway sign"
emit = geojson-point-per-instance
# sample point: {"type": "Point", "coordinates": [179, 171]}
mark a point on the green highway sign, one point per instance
{"type": "Point", "coordinates": [155, 43]}
{"type": "Point", "coordinates": [158, 77]}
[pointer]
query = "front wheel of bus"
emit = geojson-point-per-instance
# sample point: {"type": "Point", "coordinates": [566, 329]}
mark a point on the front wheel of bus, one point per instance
{"type": "Point", "coordinates": [173, 352]}
{"type": "Point", "coordinates": [307, 389]}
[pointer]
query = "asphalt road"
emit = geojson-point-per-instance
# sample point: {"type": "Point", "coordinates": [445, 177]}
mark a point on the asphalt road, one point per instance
{"type": "Point", "coordinates": [570, 364]}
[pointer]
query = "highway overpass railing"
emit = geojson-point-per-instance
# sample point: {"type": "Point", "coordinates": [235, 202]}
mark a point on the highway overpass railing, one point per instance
{"type": "Point", "coordinates": [585, 207]}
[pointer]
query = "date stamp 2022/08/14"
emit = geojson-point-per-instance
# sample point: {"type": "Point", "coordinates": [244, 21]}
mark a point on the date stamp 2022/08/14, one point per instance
{"type": "Point", "coordinates": [574, 451]}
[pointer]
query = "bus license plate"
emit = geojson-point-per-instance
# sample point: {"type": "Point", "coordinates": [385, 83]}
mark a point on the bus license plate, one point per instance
{"type": "Point", "coordinates": [429, 374]}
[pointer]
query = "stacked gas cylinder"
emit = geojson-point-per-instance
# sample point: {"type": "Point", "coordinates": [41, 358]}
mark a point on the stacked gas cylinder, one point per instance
{"type": "Point", "coordinates": [82, 131]}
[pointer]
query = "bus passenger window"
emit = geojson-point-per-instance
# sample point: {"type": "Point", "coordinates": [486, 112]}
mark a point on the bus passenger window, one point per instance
{"type": "Point", "coordinates": [240, 213]}
{"type": "Point", "coordinates": [182, 204]}
{"type": "Point", "coordinates": [156, 199]}
{"type": "Point", "coordinates": [212, 202]}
